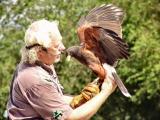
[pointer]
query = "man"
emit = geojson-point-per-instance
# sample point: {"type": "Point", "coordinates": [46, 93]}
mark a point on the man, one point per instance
{"type": "Point", "coordinates": [35, 91]}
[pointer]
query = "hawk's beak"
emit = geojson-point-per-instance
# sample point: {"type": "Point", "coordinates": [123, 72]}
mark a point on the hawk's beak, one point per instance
{"type": "Point", "coordinates": [68, 58]}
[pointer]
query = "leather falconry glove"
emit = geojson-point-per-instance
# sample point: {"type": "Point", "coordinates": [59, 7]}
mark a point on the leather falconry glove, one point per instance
{"type": "Point", "coordinates": [87, 93]}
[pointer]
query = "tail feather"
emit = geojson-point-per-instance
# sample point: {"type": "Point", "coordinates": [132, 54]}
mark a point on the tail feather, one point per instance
{"type": "Point", "coordinates": [121, 85]}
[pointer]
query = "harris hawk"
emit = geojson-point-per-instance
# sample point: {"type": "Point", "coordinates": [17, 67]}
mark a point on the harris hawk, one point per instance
{"type": "Point", "coordinates": [100, 35]}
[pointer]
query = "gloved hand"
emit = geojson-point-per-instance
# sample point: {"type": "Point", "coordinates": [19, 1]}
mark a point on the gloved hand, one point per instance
{"type": "Point", "coordinates": [90, 91]}
{"type": "Point", "coordinates": [77, 101]}
{"type": "Point", "coordinates": [87, 93]}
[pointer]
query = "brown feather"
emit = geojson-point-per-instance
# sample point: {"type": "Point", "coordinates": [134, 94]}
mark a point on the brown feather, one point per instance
{"type": "Point", "coordinates": [104, 45]}
{"type": "Point", "coordinates": [87, 58]}
{"type": "Point", "coordinates": [106, 16]}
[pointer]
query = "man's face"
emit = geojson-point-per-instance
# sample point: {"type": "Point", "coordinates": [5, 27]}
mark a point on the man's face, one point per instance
{"type": "Point", "coordinates": [52, 54]}
{"type": "Point", "coordinates": [56, 48]}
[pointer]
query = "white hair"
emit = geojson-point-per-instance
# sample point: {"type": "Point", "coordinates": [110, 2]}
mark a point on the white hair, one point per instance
{"type": "Point", "coordinates": [29, 55]}
{"type": "Point", "coordinates": [41, 32]}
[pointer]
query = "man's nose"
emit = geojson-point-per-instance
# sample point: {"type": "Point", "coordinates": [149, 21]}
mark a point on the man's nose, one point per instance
{"type": "Point", "coordinates": [62, 47]}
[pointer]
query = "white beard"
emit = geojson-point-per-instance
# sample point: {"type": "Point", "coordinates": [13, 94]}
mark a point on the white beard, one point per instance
{"type": "Point", "coordinates": [57, 60]}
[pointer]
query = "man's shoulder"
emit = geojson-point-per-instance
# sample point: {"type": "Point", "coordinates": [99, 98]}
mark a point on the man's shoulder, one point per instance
{"type": "Point", "coordinates": [27, 77]}
{"type": "Point", "coordinates": [31, 76]}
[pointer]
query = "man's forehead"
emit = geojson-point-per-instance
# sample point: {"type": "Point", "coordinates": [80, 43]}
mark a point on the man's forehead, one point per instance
{"type": "Point", "coordinates": [55, 33]}
{"type": "Point", "coordinates": [56, 42]}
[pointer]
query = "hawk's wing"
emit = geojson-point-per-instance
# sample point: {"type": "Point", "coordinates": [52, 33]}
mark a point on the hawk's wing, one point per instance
{"type": "Point", "coordinates": [100, 32]}
{"type": "Point", "coordinates": [106, 16]}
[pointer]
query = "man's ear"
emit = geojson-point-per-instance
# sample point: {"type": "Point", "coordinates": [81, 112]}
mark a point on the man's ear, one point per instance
{"type": "Point", "coordinates": [41, 52]}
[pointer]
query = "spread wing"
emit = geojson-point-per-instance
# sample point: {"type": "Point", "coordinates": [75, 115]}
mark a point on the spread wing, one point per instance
{"type": "Point", "coordinates": [100, 32]}
{"type": "Point", "coordinates": [106, 16]}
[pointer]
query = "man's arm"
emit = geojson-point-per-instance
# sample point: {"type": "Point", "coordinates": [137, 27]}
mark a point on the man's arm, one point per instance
{"type": "Point", "coordinates": [88, 109]}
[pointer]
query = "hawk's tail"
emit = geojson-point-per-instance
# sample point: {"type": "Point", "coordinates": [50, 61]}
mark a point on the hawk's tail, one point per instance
{"type": "Point", "coordinates": [121, 85]}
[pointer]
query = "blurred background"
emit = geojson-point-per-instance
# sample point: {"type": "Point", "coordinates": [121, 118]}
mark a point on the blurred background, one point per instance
{"type": "Point", "coordinates": [140, 73]}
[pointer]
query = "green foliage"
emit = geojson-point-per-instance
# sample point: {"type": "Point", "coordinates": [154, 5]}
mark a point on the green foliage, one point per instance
{"type": "Point", "coordinates": [141, 72]}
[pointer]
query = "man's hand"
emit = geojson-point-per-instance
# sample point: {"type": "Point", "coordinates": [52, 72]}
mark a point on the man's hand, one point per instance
{"type": "Point", "coordinates": [87, 93]}
{"type": "Point", "coordinates": [90, 91]}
